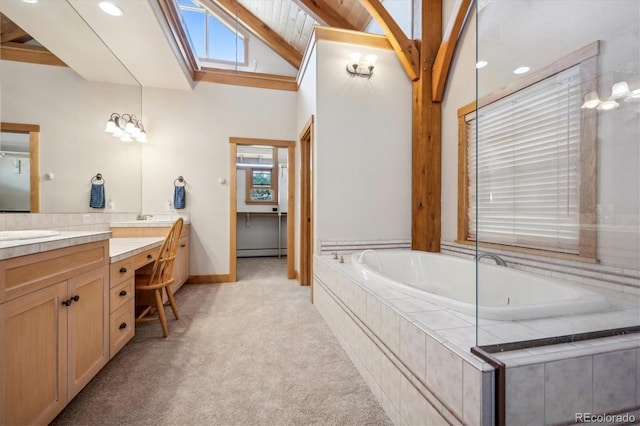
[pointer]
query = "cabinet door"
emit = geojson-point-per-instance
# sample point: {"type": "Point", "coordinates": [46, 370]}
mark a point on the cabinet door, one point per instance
{"type": "Point", "coordinates": [33, 359]}
{"type": "Point", "coordinates": [88, 327]}
{"type": "Point", "coordinates": [181, 267]}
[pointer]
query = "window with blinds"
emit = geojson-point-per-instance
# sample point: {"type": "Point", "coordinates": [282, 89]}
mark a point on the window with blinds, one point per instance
{"type": "Point", "coordinates": [523, 166]}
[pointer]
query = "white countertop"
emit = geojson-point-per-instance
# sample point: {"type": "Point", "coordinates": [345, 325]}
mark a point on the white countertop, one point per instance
{"type": "Point", "coordinates": [151, 223]}
{"type": "Point", "coordinates": [15, 248]}
{"type": "Point", "coordinates": [121, 248]}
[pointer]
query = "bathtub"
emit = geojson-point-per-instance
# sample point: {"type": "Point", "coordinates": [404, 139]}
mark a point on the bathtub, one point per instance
{"type": "Point", "coordinates": [504, 293]}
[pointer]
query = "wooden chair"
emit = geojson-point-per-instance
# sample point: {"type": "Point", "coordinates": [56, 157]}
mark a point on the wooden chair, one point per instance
{"type": "Point", "coordinates": [161, 278]}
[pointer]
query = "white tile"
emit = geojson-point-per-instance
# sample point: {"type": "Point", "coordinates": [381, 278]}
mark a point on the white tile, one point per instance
{"type": "Point", "coordinates": [439, 320]}
{"type": "Point", "coordinates": [413, 406]}
{"type": "Point", "coordinates": [614, 381]}
{"type": "Point", "coordinates": [392, 411]}
{"type": "Point", "coordinates": [465, 337]}
{"type": "Point", "coordinates": [525, 395]}
{"type": "Point", "coordinates": [390, 381]}
{"type": "Point", "coordinates": [390, 328]}
{"type": "Point", "coordinates": [568, 389]}
{"type": "Point", "coordinates": [413, 349]}
{"type": "Point", "coordinates": [513, 332]}
{"type": "Point", "coordinates": [374, 362]}
{"type": "Point", "coordinates": [471, 394]}
{"type": "Point", "coordinates": [409, 305]}
{"type": "Point", "coordinates": [359, 300]}
{"type": "Point", "coordinates": [444, 374]}
{"type": "Point", "coordinates": [373, 314]}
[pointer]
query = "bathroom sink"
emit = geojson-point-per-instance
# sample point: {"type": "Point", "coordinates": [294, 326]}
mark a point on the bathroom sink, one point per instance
{"type": "Point", "coordinates": [28, 234]}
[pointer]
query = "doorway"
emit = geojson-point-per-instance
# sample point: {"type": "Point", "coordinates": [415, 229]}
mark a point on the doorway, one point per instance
{"type": "Point", "coordinates": [306, 205]}
{"type": "Point", "coordinates": [29, 153]}
{"type": "Point", "coordinates": [261, 191]}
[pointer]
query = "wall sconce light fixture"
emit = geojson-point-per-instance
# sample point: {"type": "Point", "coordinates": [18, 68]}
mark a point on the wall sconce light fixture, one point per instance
{"type": "Point", "coordinates": [361, 68]}
{"type": "Point", "coordinates": [618, 91]}
{"type": "Point", "coordinates": [126, 127]}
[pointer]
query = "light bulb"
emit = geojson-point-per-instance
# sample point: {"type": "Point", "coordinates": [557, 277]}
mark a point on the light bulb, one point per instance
{"type": "Point", "coordinates": [591, 100]}
{"type": "Point", "coordinates": [371, 59]}
{"type": "Point", "coordinates": [355, 57]}
{"type": "Point", "coordinates": [619, 90]}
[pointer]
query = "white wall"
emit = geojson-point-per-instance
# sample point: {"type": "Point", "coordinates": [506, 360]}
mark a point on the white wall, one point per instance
{"type": "Point", "coordinates": [190, 137]}
{"type": "Point", "coordinates": [14, 184]}
{"type": "Point", "coordinates": [537, 34]}
{"type": "Point", "coordinates": [72, 114]}
{"type": "Point", "coordinates": [362, 147]}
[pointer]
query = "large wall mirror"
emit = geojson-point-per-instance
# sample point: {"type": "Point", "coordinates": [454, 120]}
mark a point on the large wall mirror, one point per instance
{"type": "Point", "coordinates": [70, 105]}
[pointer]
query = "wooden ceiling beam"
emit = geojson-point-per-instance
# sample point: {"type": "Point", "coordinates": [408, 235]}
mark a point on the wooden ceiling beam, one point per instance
{"type": "Point", "coordinates": [450, 38]}
{"type": "Point", "coordinates": [404, 47]}
{"type": "Point", "coordinates": [260, 30]}
{"type": "Point", "coordinates": [26, 53]}
{"type": "Point", "coordinates": [322, 11]}
{"type": "Point", "coordinates": [16, 34]}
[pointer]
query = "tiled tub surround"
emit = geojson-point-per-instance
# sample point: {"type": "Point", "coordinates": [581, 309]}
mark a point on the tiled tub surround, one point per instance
{"type": "Point", "coordinates": [417, 376]}
{"type": "Point", "coordinates": [426, 346]}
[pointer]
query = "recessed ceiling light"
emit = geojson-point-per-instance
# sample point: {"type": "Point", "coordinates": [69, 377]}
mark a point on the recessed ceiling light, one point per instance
{"type": "Point", "coordinates": [521, 70]}
{"type": "Point", "coordinates": [110, 8]}
{"type": "Point", "coordinates": [30, 1]}
{"type": "Point", "coordinates": [481, 64]}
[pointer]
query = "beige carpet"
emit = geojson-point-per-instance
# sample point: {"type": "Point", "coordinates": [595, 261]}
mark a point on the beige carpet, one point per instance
{"type": "Point", "coordinates": [255, 352]}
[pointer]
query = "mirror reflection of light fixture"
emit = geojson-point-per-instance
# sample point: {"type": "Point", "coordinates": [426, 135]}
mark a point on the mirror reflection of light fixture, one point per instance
{"type": "Point", "coordinates": [126, 128]}
{"type": "Point", "coordinates": [361, 68]}
{"type": "Point", "coordinates": [619, 90]}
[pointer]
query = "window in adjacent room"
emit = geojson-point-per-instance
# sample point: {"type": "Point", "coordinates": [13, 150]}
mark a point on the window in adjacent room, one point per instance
{"type": "Point", "coordinates": [527, 174]}
{"type": "Point", "coordinates": [212, 37]}
{"type": "Point", "coordinates": [261, 166]}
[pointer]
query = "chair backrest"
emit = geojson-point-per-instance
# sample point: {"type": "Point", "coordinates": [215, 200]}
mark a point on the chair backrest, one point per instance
{"type": "Point", "coordinates": [162, 272]}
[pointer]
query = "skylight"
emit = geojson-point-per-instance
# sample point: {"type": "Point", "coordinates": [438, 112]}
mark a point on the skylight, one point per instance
{"type": "Point", "coordinates": [212, 37]}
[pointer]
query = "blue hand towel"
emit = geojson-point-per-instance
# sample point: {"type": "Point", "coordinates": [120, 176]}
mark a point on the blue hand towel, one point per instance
{"type": "Point", "coordinates": [179, 197]}
{"type": "Point", "coordinates": [97, 196]}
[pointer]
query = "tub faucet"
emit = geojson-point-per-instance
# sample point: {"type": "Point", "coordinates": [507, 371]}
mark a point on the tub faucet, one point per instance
{"type": "Point", "coordinates": [499, 261]}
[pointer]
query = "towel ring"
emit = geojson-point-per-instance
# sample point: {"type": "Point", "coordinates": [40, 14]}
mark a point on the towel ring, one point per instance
{"type": "Point", "coordinates": [180, 180]}
{"type": "Point", "coordinates": [97, 178]}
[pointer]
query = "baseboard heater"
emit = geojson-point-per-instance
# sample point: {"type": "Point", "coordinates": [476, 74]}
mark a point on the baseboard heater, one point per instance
{"type": "Point", "coordinates": [260, 252]}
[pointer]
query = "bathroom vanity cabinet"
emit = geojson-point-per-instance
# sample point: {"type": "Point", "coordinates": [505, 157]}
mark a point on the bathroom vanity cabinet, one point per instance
{"type": "Point", "coordinates": [149, 229]}
{"type": "Point", "coordinates": [54, 329]}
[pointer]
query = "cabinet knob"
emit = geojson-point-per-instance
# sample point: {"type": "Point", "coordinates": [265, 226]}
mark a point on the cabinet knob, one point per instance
{"type": "Point", "coordinates": [67, 302]}
{"type": "Point", "coordinates": [183, 245]}
{"type": "Point", "coordinates": [123, 270]}
{"type": "Point", "coordinates": [123, 326]}
{"type": "Point", "coordinates": [75, 298]}
{"type": "Point", "coordinates": [123, 293]}
{"type": "Point", "coordinates": [149, 256]}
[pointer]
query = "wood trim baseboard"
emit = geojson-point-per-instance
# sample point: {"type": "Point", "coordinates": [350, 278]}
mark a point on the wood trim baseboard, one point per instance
{"type": "Point", "coordinates": [209, 279]}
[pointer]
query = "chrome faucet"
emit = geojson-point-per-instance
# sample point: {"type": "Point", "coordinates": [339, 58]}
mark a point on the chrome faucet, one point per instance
{"type": "Point", "coordinates": [144, 216]}
{"type": "Point", "coordinates": [499, 261]}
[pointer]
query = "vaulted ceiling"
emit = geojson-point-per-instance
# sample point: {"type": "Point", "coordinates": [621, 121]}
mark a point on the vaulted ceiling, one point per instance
{"type": "Point", "coordinates": [144, 45]}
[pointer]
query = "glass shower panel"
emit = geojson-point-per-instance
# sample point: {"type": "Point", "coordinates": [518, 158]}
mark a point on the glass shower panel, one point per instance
{"type": "Point", "coordinates": [553, 155]}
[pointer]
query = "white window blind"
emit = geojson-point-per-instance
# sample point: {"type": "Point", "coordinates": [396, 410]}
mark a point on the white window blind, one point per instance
{"type": "Point", "coordinates": [524, 188]}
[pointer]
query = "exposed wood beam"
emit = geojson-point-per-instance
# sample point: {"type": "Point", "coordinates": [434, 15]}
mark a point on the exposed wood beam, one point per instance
{"type": "Point", "coordinates": [322, 11]}
{"type": "Point", "coordinates": [427, 139]}
{"type": "Point", "coordinates": [16, 34]}
{"type": "Point", "coordinates": [442, 64]}
{"type": "Point", "coordinates": [248, 79]}
{"type": "Point", "coordinates": [260, 30]}
{"type": "Point", "coordinates": [405, 48]}
{"type": "Point", "coordinates": [27, 53]}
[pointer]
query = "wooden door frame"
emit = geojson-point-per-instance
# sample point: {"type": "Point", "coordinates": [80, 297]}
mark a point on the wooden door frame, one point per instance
{"type": "Point", "coordinates": [233, 200]}
{"type": "Point", "coordinates": [33, 130]}
{"type": "Point", "coordinates": [306, 205]}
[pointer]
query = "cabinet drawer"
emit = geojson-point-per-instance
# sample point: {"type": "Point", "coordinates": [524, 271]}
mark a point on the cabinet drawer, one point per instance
{"type": "Point", "coordinates": [122, 327]}
{"type": "Point", "coordinates": [121, 294]}
{"type": "Point", "coordinates": [121, 271]}
{"type": "Point", "coordinates": [146, 257]}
